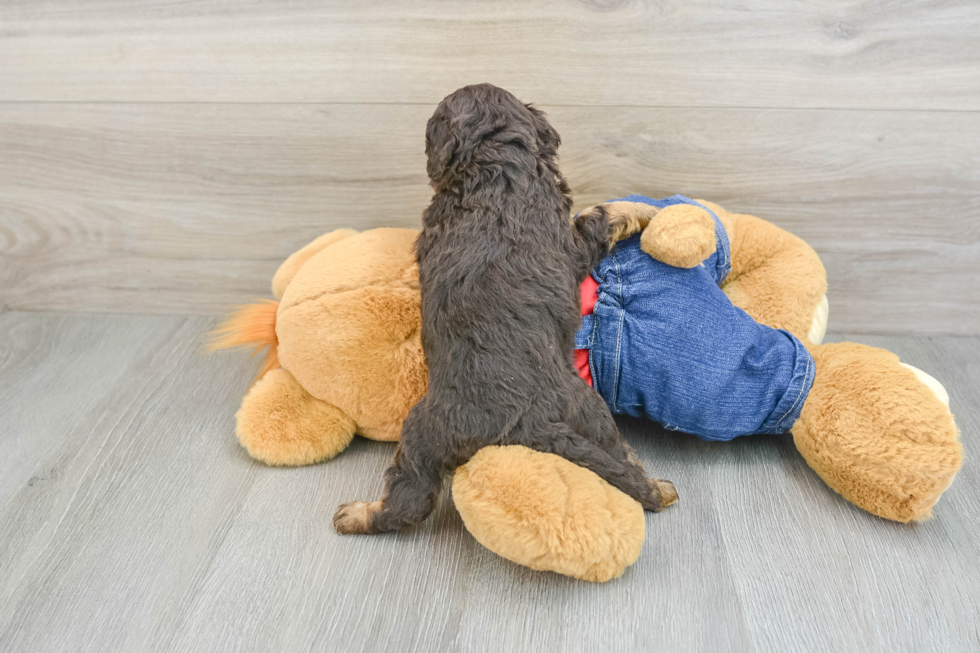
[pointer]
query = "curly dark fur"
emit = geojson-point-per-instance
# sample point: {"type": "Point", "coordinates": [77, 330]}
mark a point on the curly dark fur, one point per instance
{"type": "Point", "coordinates": [500, 265]}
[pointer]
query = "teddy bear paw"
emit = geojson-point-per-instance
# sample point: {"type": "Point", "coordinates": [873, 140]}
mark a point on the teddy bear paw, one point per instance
{"type": "Point", "coordinates": [682, 236]}
{"type": "Point", "coordinates": [930, 382]}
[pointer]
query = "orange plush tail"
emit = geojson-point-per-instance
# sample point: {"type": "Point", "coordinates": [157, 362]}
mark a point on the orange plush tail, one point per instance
{"type": "Point", "coordinates": [252, 326]}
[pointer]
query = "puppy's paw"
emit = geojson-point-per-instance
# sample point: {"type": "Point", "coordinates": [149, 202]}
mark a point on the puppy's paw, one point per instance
{"type": "Point", "coordinates": [628, 218]}
{"type": "Point", "coordinates": [668, 493]}
{"type": "Point", "coordinates": [662, 494]}
{"type": "Point", "coordinates": [355, 518]}
{"type": "Point", "coordinates": [593, 221]}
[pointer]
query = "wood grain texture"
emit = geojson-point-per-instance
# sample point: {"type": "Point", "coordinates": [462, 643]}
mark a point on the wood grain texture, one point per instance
{"type": "Point", "coordinates": [187, 209]}
{"type": "Point", "coordinates": [131, 520]}
{"type": "Point", "coordinates": [863, 54]}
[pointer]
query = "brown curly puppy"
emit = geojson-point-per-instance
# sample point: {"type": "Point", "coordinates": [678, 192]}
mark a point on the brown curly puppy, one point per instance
{"type": "Point", "coordinates": [500, 266]}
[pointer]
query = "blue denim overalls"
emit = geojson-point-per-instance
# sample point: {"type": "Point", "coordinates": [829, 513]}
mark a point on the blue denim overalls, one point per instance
{"type": "Point", "coordinates": [666, 343]}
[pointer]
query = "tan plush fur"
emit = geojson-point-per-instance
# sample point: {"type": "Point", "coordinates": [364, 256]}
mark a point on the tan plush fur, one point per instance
{"type": "Point", "coordinates": [876, 434]}
{"type": "Point", "coordinates": [347, 336]}
{"type": "Point", "coordinates": [346, 333]}
{"type": "Point", "coordinates": [544, 512]}
{"type": "Point", "coordinates": [284, 275]}
{"type": "Point", "coordinates": [251, 326]}
{"type": "Point", "coordinates": [280, 423]}
{"type": "Point", "coordinates": [682, 235]}
{"type": "Point", "coordinates": [349, 329]}
{"type": "Point", "coordinates": [873, 431]}
{"type": "Point", "coordinates": [776, 277]}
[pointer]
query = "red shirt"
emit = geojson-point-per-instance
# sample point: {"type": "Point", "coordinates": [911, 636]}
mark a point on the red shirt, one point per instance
{"type": "Point", "coordinates": [590, 293]}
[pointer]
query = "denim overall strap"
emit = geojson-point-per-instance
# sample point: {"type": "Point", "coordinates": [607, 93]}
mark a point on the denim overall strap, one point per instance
{"type": "Point", "coordinates": [667, 344]}
{"type": "Point", "coordinates": [584, 335]}
{"type": "Point", "coordinates": [723, 263]}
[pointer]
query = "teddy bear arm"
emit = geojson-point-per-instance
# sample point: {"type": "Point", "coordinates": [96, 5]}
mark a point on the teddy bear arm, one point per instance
{"type": "Point", "coordinates": [280, 423]}
{"type": "Point", "coordinates": [291, 265]}
{"type": "Point", "coordinates": [681, 235]}
{"type": "Point", "coordinates": [775, 277]}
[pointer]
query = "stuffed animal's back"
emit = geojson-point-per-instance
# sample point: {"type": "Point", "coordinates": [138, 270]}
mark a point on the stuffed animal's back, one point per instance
{"type": "Point", "coordinates": [349, 329]}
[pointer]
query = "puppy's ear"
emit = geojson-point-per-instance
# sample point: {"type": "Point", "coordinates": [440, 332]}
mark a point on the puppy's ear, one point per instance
{"type": "Point", "coordinates": [548, 138]}
{"type": "Point", "coordinates": [548, 141]}
{"type": "Point", "coordinates": [440, 148]}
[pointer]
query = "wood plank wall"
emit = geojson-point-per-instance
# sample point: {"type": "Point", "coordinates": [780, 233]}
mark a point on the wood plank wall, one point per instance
{"type": "Point", "coordinates": [165, 156]}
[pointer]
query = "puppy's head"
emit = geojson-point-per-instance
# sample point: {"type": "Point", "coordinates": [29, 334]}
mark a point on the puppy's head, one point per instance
{"type": "Point", "coordinates": [485, 128]}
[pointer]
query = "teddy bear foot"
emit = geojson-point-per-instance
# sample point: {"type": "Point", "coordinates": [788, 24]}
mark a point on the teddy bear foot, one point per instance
{"type": "Point", "coordinates": [930, 382]}
{"type": "Point", "coordinates": [544, 512]}
{"type": "Point", "coordinates": [818, 328]}
{"type": "Point", "coordinates": [878, 432]}
{"type": "Point", "coordinates": [280, 423]}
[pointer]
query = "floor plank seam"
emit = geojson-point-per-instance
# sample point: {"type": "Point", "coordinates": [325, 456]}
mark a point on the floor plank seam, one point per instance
{"type": "Point", "coordinates": [221, 313]}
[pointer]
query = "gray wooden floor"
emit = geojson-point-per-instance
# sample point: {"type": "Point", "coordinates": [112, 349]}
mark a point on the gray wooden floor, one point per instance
{"type": "Point", "coordinates": [131, 520]}
{"type": "Point", "coordinates": [162, 158]}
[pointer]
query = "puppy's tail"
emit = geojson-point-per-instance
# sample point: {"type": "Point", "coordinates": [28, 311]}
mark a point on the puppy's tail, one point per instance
{"type": "Point", "coordinates": [252, 325]}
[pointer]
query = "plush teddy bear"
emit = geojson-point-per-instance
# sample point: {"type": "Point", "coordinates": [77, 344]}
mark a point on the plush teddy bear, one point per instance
{"type": "Point", "coordinates": [344, 357]}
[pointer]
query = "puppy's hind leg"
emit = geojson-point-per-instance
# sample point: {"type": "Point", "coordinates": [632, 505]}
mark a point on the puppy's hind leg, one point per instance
{"type": "Point", "coordinates": [412, 482]}
{"type": "Point", "coordinates": [590, 416]}
{"type": "Point", "coordinates": [621, 473]}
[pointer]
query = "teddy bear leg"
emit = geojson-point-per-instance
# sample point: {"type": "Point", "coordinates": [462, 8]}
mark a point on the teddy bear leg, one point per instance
{"type": "Point", "coordinates": [876, 433]}
{"type": "Point", "coordinates": [775, 277]}
{"type": "Point", "coordinates": [280, 423]}
{"type": "Point", "coordinates": [544, 512]}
